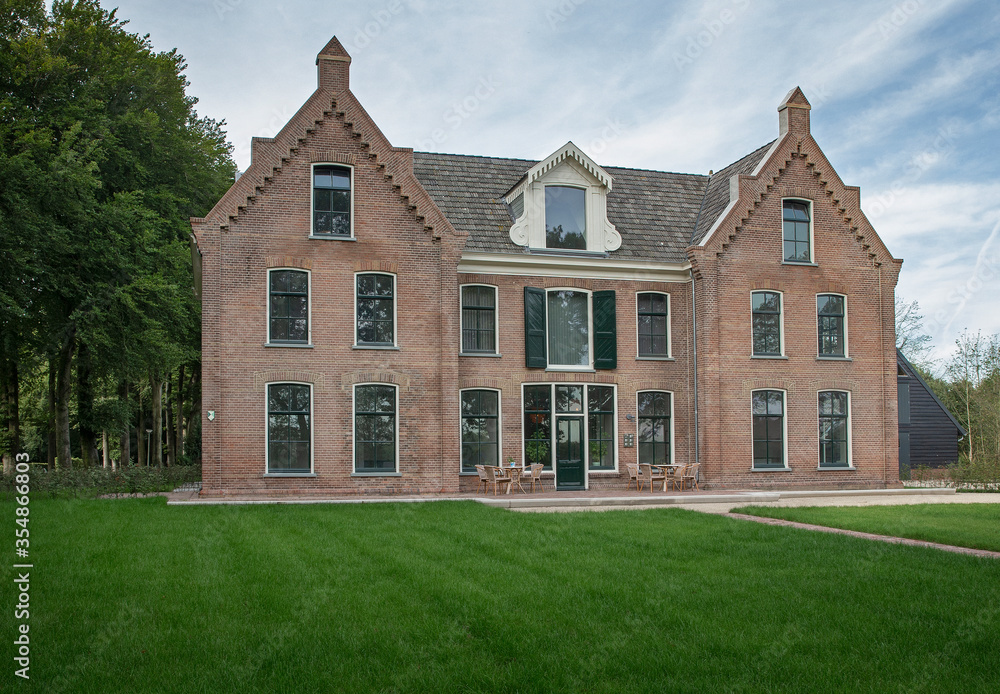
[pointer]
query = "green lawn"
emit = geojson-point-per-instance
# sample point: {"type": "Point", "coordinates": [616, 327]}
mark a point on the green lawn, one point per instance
{"type": "Point", "coordinates": [134, 596]}
{"type": "Point", "coordinates": [965, 525]}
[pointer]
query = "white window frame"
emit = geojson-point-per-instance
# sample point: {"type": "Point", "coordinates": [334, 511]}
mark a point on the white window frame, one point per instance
{"type": "Point", "coordinates": [267, 309]}
{"type": "Point", "coordinates": [812, 235]}
{"type": "Point", "coordinates": [499, 427]}
{"type": "Point", "coordinates": [847, 342]}
{"type": "Point", "coordinates": [590, 332]}
{"type": "Point", "coordinates": [496, 320]}
{"type": "Point", "coordinates": [670, 319]}
{"type": "Point", "coordinates": [554, 183]}
{"type": "Point", "coordinates": [784, 431]}
{"type": "Point", "coordinates": [850, 433]}
{"type": "Point", "coordinates": [312, 202]}
{"type": "Point", "coordinates": [781, 324]}
{"type": "Point", "coordinates": [267, 431]}
{"type": "Point", "coordinates": [395, 311]}
{"type": "Point", "coordinates": [354, 432]}
{"type": "Point", "coordinates": [673, 440]}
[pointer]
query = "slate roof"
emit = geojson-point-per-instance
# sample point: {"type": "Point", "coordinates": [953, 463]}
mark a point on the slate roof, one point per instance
{"type": "Point", "coordinates": [657, 213]}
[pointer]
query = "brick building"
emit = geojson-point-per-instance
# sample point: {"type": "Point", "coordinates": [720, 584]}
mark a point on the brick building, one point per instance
{"type": "Point", "coordinates": [378, 320]}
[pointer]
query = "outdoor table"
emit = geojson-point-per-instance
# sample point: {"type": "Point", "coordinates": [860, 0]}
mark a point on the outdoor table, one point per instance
{"type": "Point", "coordinates": [664, 468]}
{"type": "Point", "coordinates": [508, 472]}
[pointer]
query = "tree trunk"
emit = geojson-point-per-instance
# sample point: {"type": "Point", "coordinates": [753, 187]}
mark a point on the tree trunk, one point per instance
{"type": "Point", "coordinates": [179, 427]}
{"type": "Point", "coordinates": [64, 378]}
{"type": "Point", "coordinates": [125, 438]}
{"type": "Point", "coordinates": [12, 413]}
{"type": "Point", "coordinates": [157, 441]}
{"type": "Point", "coordinates": [104, 449]}
{"type": "Point", "coordinates": [85, 406]}
{"type": "Point", "coordinates": [51, 453]}
{"type": "Point", "coordinates": [171, 441]}
{"type": "Point", "coordinates": [140, 431]}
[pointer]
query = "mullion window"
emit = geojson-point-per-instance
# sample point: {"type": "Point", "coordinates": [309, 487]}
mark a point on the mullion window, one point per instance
{"type": "Point", "coordinates": [480, 429]}
{"type": "Point", "coordinates": [288, 306]}
{"type": "Point", "coordinates": [289, 438]}
{"type": "Point", "coordinates": [833, 429]}
{"type": "Point", "coordinates": [795, 231]}
{"type": "Point", "coordinates": [768, 408]}
{"type": "Point", "coordinates": [374, 428]}
{"type": "Point", "coordinates": [478, 319]}
{"type": "Point", "coordinates": [830, 320]}
{"type": "Point", "coordinates": [331, 201]}
{"type": "Point", "coordinates": [651, 310]}
{"type": "Point", "coordinates": [601, 425]}
{"type": "Point", "coordinates": [766, 318]}
{"type": "Point", "coordinates": [538, 425]}
{"type": "Point", "coordinates": [375, 309]}
{"type": "Point", "coordinates": [654, 427]}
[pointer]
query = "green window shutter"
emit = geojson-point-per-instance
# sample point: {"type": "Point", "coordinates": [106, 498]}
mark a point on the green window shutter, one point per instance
{"type": "Point", "coordinates": [534, 328]}
{"type": "Point", "coordinates": [605, 331]}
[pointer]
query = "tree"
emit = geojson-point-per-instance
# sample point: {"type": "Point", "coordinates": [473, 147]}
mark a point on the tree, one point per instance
{"type": "Point", "coordinates": [911, 339]}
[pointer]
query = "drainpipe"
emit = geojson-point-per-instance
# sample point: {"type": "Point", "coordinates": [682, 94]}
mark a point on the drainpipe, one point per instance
{"type": "Point", "coordinates": [694, 352]}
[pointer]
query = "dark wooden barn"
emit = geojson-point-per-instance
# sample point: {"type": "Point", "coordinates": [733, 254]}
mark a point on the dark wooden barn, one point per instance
{"type": "Point", "coordinates": [928, 433]}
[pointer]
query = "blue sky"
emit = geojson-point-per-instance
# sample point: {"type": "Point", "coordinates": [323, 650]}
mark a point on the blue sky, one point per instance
{"type": "Point", "coordinates": [905, 95]}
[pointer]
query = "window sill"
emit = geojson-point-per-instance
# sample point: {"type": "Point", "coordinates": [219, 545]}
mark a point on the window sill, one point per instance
{"type": "Point", "coordinates": [570, 370]}
{"type": "Point", "coordinates": [331, 237]}
{"type": "Point", "coordinates": [770, 469]}
{"type": "Point", "coordinates": [792, 262]}
{"type": "Point", "coordinates": [569, 253]}
{"type": "Point", "coordinates": [376, 474]}
{"type": "Point", "coordinates": [834, 359]}
{"type": "Point", "coordinates": [293, 345]}
{"type": "Point", "coordinates": [495, 355]}
{"type": "Point", "coordinates": [848, 468]}
{"type": "Point", "coordinates": [651, 358]}
{"type": "Point", "coordinates": [767, 356]}
{"type": "Point", "coordinates": [390, 348]}
{"type": "Point", "coordinates": [289, 474]}
{"type": "Point", "coordinates": [604, 473]}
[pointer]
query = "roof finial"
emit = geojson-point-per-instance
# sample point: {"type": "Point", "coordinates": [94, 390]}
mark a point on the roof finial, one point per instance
{"type": "Point", "coordinates": [793, 113]}
{"type": "Point", "coordinates": [334, 66]}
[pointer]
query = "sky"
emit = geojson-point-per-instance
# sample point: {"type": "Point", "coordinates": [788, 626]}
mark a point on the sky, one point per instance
{"type": "Point", "coordinates": [905, 97]}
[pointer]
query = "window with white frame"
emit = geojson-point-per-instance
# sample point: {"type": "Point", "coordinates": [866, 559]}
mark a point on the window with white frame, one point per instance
{"type": "Point", "coordinates": [653, 324]}
{"type": "Point", "coordinates": [566, 217]}
{"type": "Point", "coordinates": [288, 306]}
{"type": "Point", "coordinates": [768, 411]}
{"type": "Point", "coordinates": [375, 424]}
{"type": "Point", "coordinates": [834, 428]}
{"type": "Point", "coordinates": [654, 412]}
{"type": "Point", "coordinates": [543, 403]}
{"type": "Point", "coordinates": [766, 324]}
{"type": "Point", "coordinates": [570, 329]}
{"type": "Point", "coordinates": [796, 225]}
{"type": "Point", "coordinates": [331, 200]}
{"type": "Point", "coordinates": [831, 321]}
{"type": "Point", "coordinates": [289, 428]}
{"type": "Point", "coordinates": [480, 428]}
{"type": "Point", "coordinates": [479, 319]}
{"type": "Point", "coordinates": [376, 309]}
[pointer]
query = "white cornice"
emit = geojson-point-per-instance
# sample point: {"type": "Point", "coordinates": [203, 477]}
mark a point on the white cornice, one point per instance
{"type": "Point", "coordinates": [567, 151]}
{"type": "Point", "coordinates": [569, 266]}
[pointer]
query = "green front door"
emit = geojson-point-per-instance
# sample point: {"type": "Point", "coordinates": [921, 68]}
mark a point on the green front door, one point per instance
{"type": "Point", "coordinates": [569, 453]}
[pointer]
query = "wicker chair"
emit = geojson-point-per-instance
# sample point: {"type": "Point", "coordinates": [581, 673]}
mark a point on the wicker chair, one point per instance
{"type": "Point", "coordinates": [494, 479]}
{"type": "Point", "coordinates": [481, 471]}
{"type": "Point", "coordinates": [633, 475]}
{"type": "Point", "coordinates": [690, 475]}
{"type": "Point", "coordinates": [675, 476]}
{"type": "Point", "coordinates": [646, 474]}
{"type": "Point", "coordinates": [536, 476]}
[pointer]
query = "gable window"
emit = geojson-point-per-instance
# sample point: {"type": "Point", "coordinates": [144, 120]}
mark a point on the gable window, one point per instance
{"type": "Point", "coordinates": [796, 233]}
{"type": "Point", "coordinates": [830, 321]}
{"type": "Point", "coordinates": [768, 429]}
{"type": "Point", "coordinates": [289, 429]}
{"type": "Point", "coordinates": [288, 306]}
{"type": "Point", "coordinates": [331, 201]}
{"type": "Point", "coordinates": [654, 438]}
{"type": "Point", "coordinates": [653, 320]}
{"type": "Point", "coordinates": [376, 310]}
{"type": "Point", "coordinates": [480, 428]}
{"type": "Point", "coordinates": [479, 308]}
{"type": "Point", "coordinates": [374, 428]}
{"type": "Point", "coordinates": [766, 320]}
{"type": "Point", "coordinates": [834, 429]}
{"type": "Point", "coordinates": [570, 329]}
{"type": "Point", "coordinates": [565, 218]}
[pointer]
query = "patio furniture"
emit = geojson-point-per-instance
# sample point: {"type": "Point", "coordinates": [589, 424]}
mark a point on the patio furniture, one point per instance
{"type": "Point", "coordinates": [496, 479]}
{"type": "Point", "coordinates": [515, 474]}
{"type": "Point", "coordinates": [481, 471]}
{"type": "Point", "coordinates": [673, 474]}
{"type": "Point", "coordinates": [646, 474]}
{"type": "Point", "coordinates": [690, 475]}
{"type": "Point", "coordinates": [536, 476]}
{"type": "Point", "coordinates": [633, 475]}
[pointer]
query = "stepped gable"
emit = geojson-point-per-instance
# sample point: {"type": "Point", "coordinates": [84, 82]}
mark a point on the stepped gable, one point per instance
{"type": "Point", "coordinates": [717, 192]}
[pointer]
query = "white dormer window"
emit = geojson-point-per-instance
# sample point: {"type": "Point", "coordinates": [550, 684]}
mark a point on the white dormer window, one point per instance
{"type": "Point", "coordinates": [561, 205]}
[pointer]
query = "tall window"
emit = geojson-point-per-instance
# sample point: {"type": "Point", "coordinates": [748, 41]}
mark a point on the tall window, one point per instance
{"type": "Point", "coordinates": [331, 201]}
{"type": "Point", "coordinates": [569, 328]}
{"type": "Point", "coordinates": [654, 427]}
{"type": "Point", "coordinates": [601, 427]}
{"type": "Point", "coordinates": [374, 428]}
{"type": "Point", "coordinates": [651, 310]}
{"type": "Point", "coordinates": [376, 309]}
{"type": "Point", "coordinates": [768, 429]}
{"type": "Point", "coordinates": [766, 324]}
{"type": "Point", "coordinates": [834, 446]}
{"type": "Point", "coordinates": [288, 306]}
{"type": "Point", "coordinates": [480, 428]}
{"type": "Point", "coordinates": [830, 320]}
{"type": "Point", "coordinates": [795, 231]}
{"type": "Point", "coordinates": [479, 308]}
{"type": "Point", "coordinates": [289, 433]}
{"type": "Point", "coordinates": [538, 425]}
{"type": "Point", "coordinates": [565, 218]}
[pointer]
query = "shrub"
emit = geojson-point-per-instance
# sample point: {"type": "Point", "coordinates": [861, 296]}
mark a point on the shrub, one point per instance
{"type": "Point", "coordinates": [79, 482]}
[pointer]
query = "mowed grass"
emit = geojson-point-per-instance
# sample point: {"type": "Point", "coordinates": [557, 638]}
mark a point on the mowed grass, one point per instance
{"type": "Point", "coordinates": [135, 596]}
{"type": "Point", "coordinates": [964, 525]}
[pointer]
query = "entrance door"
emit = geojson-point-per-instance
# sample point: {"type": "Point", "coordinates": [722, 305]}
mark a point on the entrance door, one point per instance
{"type": "Point", "coordinates": [569, 453]}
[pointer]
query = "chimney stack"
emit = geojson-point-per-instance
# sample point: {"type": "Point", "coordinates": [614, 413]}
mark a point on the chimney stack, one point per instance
{"type": "Point", "coordinates": [333, 66]}
{"type": "Point", "coordinates": [793, 114]}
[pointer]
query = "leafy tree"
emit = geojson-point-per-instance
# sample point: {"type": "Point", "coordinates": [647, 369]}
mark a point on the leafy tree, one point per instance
{"type": "Point", "coordinates": [911, 339]}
